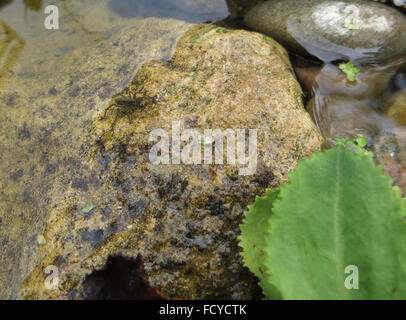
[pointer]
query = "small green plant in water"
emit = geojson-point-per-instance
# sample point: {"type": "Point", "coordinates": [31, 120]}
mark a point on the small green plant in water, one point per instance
{"type": "Point", "coordinates": [350, 70]}
{"type": "Point", "coordinates": [338, 212]}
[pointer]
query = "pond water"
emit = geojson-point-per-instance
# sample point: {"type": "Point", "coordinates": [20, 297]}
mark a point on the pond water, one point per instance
{"type": "Point", "coordinates": [53, 83]}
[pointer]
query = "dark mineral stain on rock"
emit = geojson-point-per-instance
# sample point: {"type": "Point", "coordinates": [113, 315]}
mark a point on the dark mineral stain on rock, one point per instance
{"type": "Point", "coordinates": [74, 91]}
{"type": "Point", "coordinates": [93, 236]}
{"type": "Point", "coordinates": [53, 92]}
{"type": "Point", "coordinates": [17, 175]}
{"type": "Point", "coordinates": [136, 209]}
{"type": "Point", "coordinates": [24, 133]}
{"type": "Point", "coordinates": [79, 183]}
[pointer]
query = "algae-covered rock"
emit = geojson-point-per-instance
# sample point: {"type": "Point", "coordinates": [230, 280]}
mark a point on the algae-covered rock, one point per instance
{"type": "Point", "coordinates": [354, 30]}
{"type": "Point", "coordinates": [182, 220]}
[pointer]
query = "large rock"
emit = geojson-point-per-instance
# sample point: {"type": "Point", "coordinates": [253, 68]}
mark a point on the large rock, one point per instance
{"type": "Point", "coordinates": [181, 220]}
{"type": "Point", "coordinates": [333, 30]}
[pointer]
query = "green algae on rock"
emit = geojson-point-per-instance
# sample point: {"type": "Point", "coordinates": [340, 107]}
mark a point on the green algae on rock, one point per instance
{"type": "Point", "coordinates": [354, 30]}
{"type": "Point", "coordinates": [182, 220]}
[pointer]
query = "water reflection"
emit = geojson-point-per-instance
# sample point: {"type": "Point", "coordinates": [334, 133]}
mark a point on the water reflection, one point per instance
{"type": "Point", "coordinates": [326, 50]}
{"type": "Point", "coordinates": [11, 44]}
{"type": "Point", "coordinates": [190, 11]}
{"type": "Point", "coordinates": [10, 48]}
{"type": "Point", "coordinates": [34, 5]}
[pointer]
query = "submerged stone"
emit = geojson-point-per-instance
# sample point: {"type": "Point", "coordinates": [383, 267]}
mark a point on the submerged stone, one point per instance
{"type": "Point", "coordinates": [182, 220]}
{"type": "Point", "coordinates": [353, 30]}
{"type": "Point", "coordinates": [396, 108]}
{"type": "Point", "coordinates": [390, 152]}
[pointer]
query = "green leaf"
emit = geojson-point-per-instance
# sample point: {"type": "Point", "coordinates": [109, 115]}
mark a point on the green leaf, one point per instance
{"type": "Point", "coordinates": [252, 239]}
{"type": "Point", "coordinates": [337, 210]}
{"type": "Point", "coordinates": [220, 30]}
{"type": "Point", "coordinates": [256, 224]}
{"type": "Point", "coordinates": [350, 70]}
